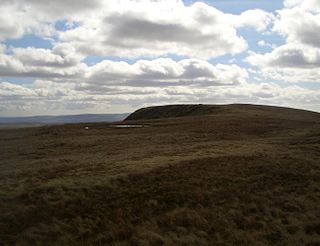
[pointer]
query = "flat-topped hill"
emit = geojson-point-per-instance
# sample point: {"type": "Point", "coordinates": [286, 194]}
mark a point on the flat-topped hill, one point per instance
{"type": "Point", "coordinates": [173, 111]}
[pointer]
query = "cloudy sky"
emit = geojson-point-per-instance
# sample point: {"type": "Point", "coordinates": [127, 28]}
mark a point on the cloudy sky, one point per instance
{"type": "Point", "coordinates": [71, 57]}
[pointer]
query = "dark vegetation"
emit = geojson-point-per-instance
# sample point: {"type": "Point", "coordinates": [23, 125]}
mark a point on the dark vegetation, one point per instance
{"type": "Point", "coordinates": [171, 111]}
{"type": "Point", "coordinates": [237, 175]}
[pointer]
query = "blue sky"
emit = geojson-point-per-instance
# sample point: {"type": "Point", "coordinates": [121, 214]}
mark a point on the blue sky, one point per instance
{"type": "Point", "coordinates": [101, 57]}
{"type": "Point", "coordinates": [238, 6]}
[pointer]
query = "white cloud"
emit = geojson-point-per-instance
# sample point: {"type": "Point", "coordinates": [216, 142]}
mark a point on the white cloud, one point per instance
{"type": "Point", "coordinates": [298, 60]}
{"type": "Point", "coordinates": [16, 19]}
{"type": "Point", "coordinates": [287, 56]}
{"type": "Point", "coordinates": [64, 64]}
{"type": "Point", "coordinates": [70, 97]}
{"type": "Point", "coordinates": [60, 8]}
{"type": "Point", "coordinates": [156, 28]}
{"type": "Point", "coordinates": [133, 28]}
{"type": "Point", "coordinates": [58, 57]}
{"type": "Point", "coordinates": [263, 43]}
{"type": "Point", "coordinates": [19, 17]}
{"type": "Point", "coordinates": [39, 63]}
{"type": "Point", "coordinates": [256, 18]}
{"type": "Point", "coordinates": [3, 48]}
{"type": "Point", "coordinates": [312, 5]}
{"type": "Point", "coordinates": [166, 72]}
{"type": "Point", "coordinates": [299, 25]}
{"type": "Point", "coordinates": [13, 90]}
{"type": "Point", "coordinates": [291, 62]}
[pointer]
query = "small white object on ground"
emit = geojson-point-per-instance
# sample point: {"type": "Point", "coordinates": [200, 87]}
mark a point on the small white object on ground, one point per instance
{"type": "Point", "coordinates": [127, 126]}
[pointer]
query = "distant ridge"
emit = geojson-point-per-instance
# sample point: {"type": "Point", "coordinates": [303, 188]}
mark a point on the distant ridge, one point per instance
{"type": "Point", "coordinates": [188, 110]}
{"type": "Point", "coordinates": [63, 119]}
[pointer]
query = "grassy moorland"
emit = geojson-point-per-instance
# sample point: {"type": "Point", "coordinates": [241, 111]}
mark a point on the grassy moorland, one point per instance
{"type": "Point", "coordinates": [227, 175]}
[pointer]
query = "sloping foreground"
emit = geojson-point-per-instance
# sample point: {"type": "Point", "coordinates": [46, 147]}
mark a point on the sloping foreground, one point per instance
{"type": "Point", "coordinates": [247, 175]}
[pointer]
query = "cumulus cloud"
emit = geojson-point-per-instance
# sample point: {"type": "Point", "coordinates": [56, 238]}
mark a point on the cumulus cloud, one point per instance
{"type": "Point", "coordinates": [299, 24]}
{"type": "Point", "coordinates": [16, 20]}
{"type": "Point", "coordinates": [166, 72]}
{"type": "Point", "coordinates": [313, 5]}
{"type": "Point", "coordinates": [59, 57]}
{"type": "Point", "coordinates": [72, 97]}
{"type": "Point", "coordinates": [63, 64]}
{"type": "Point", "coordinates": [133, 28]}
{"type": "Point", "coordinates": [256, 18]}
{"type": "Point", "coordinates": [286, 56]}
{"type": "Point", "coordinates": [60, 8]}
{"type": "Point", "coordinates": [291, 62]}
{"type": "Point", "coordinates": [157, 28]}
{"type": "Point", "coordinates": [13, 90]}
{"type": "Point", "coordinates": [293, 75]}
{"type": "Point", "coordinates": [19, 17]}
{"type": "Point", "coordinates": [298, 60]}
{"type": "Point", "coordinates": [38, 63]}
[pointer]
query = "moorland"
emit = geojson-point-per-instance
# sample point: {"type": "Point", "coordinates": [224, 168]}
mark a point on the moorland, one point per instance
{"type": "Point", "coordinates": [192, 175]}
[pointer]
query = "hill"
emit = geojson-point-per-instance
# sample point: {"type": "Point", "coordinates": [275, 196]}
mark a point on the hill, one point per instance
{"type": "Point", "coordinates": [173, 111]}
{"type": "Point", "coordinates": [219, 175]}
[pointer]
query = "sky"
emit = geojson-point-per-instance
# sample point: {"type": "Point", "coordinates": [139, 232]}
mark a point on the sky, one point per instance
{"type": "Point", "coordinates": [72, 57]}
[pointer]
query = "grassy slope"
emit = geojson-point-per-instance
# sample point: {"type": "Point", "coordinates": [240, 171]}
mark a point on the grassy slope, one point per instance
{"type": "Point", "coordinates": [242, 175]}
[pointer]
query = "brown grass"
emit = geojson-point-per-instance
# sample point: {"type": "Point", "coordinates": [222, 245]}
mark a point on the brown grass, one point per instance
{"type": "Point", "coordinates": [245, 176]}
